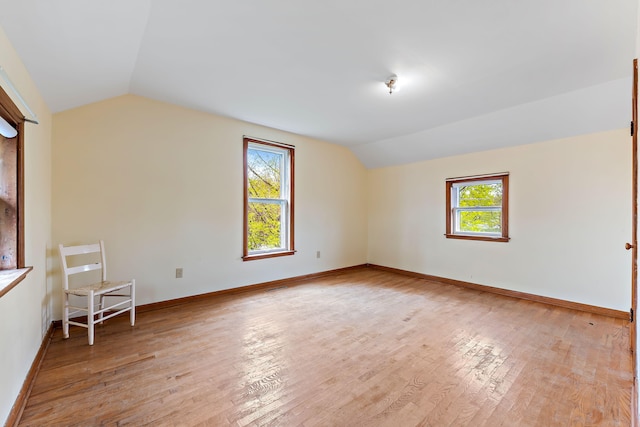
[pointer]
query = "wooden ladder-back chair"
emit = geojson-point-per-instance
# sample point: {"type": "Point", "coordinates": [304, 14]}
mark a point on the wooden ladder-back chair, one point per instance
{"type": "Point", "coordinates": [100, 311]}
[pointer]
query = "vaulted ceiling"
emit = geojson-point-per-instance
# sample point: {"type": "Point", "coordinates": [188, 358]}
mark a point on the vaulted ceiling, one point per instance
{"type": "Point", "coordinates": [473, 75]}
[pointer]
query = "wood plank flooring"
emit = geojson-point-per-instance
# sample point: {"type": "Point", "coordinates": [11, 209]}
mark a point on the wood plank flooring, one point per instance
{"type": "Point", "coordinates": [363, 348]}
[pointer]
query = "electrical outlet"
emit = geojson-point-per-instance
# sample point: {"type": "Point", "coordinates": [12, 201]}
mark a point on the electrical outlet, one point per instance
{"type": "Point", "coordinates": [317, 254]}
{"type": "Point", "coordinates": [178, 273]}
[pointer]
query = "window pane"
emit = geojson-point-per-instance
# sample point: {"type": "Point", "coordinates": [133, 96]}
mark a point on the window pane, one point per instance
{"type": "Point", "coordinates": [480, 221]}
{"type": "Point", "coordinates": [264, 172]}
{"type": "Point", "coordinates": [264, 227]}
{"type": "Point", "coordinates": [480, 195]}
{"type": "Point", "coordinates": [9, 202]}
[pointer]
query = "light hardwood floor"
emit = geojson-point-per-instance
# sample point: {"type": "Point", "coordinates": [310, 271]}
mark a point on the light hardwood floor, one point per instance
{"type": "Point", "coordinates": [366, 347]}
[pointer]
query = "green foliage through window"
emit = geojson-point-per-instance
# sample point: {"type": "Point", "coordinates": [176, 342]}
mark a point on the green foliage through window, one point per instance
{"type": "Point", "coordinates": [480, 222]}
{"type": "Point", "coordinates": [475, 195]}
{"type": "Point", "coordinates": [264, 226]}
{"type": "Point", "coordinates": [480, 195]}
{"type": "Point", "coordinates": [264, 171]}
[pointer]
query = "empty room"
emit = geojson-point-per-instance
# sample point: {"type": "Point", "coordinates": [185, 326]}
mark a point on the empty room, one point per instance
{"type": "Point", "coordinates": [322, 214]}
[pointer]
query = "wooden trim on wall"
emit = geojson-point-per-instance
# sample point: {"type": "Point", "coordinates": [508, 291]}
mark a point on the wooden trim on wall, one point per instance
{"type": "Point", "coordinates": [297, 280]}
{"type": "Point", "coordinates": [505, 207]}
{"type": "Point", "coordinates": [634, 241]}
{"type": "Point", "coordinates": [292, 197]}
{"type": "Point", "coordinates": [482, 238]}
{"type": "Point", "coordinates": [634, 402]}
{"type": "Point", "coordinates": [245, 198]}
{"type": "Point", "coordinates": [12, 114]}
{"type": "Point", "coordinates": [9, 110]}
{"type": "Point", "coordinates": [291, 281]}
{"type": "Point", "coordinates": [267, 255]}
{"type": "Point", "coordinates": [20, 195]}
{"type": "Point", "coordinates": [509, 293]}
{"type": "Point", "coordinates": [27, 386]}
{"type": "Point", "coordinates": [449, 225]}
{"type": "Point", "coordinates": [634, 208]}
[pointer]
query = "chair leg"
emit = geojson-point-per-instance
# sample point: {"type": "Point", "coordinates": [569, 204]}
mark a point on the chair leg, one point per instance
{"type": "Point", "coordinates": [100, 308]}
{"type": "Point", "coordinates": [90, 315]}
{"type": "Point", "coordinates": [132, 313]}
{"type": "Point", "coordinates": [65, 315]}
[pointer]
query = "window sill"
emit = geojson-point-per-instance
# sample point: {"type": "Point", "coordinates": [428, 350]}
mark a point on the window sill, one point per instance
{"type": "Point", "coordinates": [483, 238]}
{"type": "Point", "coordinates": [10, 278]}
{"type": "Point", "coordinates": [267, 255]}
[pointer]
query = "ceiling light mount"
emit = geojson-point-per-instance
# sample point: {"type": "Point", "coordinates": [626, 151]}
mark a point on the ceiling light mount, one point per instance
{"type": "Point", "coordinates": [391, 82]}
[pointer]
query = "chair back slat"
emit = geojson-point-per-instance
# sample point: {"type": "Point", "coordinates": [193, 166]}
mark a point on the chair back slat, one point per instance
{"type": "Point", "coordinates": [83, 268]}
{"type": "Point", "coordinates": [79, 250]}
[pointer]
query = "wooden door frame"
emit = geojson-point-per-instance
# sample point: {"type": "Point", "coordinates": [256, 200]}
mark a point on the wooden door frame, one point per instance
{"type": "Point", "coordinates": [634, 242]}
{"type": "Point", "coordinates": [634, 206]}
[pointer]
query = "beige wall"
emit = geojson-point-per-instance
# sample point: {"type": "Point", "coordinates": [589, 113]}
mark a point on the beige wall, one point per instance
{"type": "Point", "coordinates": [162, 185]}
{"type": "Point", "coordinates": [570, 205]}
{"type": "Point", "coordinates": [25, 311]}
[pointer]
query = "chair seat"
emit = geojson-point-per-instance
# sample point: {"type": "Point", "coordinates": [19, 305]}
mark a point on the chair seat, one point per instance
{"type": "Point", "coordinates": [98, 288]}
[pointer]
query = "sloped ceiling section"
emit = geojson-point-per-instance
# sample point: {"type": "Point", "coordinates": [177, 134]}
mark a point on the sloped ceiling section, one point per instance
{"type": "Point", "coordinates": [77, 52]}
{"type": "Point", "coordinates": [473, 75]}
{"type": "Point", "coordinates": [590, 110]}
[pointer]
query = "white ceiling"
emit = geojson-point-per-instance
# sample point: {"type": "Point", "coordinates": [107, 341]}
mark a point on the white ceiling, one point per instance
{"type": "Point", "coordinates": [475, 75]}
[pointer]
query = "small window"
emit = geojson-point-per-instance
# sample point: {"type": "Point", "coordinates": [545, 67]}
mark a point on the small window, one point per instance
{"type": "Point", "coordinates": [478, 208]}
{"type": "Point", "coordinates": [268, 199]}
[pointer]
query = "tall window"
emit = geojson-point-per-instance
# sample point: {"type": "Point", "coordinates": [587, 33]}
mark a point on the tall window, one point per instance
{"type": "Point", "coordinates": [268, 199]}
{"type": "Point", "coordinates": [11, 188]}
{"type": "Point", "coordinates": [478, 208]}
